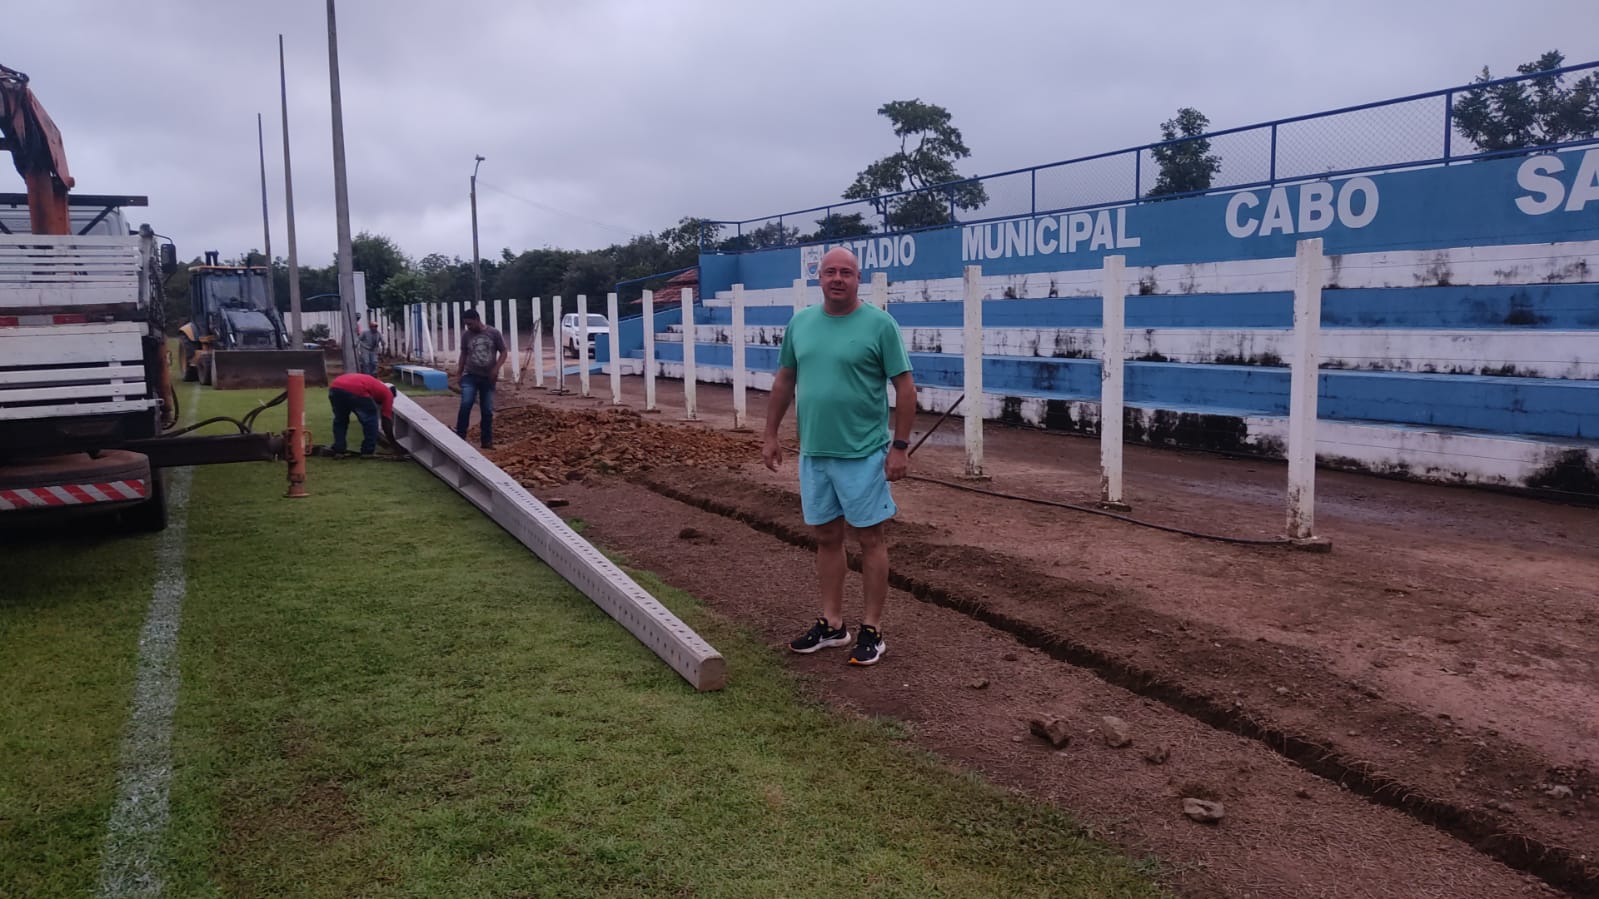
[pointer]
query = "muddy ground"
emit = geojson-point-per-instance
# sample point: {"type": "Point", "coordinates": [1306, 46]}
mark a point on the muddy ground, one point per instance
{"type": "Point", "coordinates": [1412, 714]}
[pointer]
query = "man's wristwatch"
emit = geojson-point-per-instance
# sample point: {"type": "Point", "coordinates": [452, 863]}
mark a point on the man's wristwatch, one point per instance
{"type": "Point", "coordinates": [902, 444]}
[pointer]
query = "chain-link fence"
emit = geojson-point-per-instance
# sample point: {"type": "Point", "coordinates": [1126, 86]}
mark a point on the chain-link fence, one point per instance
{"type": "Point", "coordinates": [1522, 114]}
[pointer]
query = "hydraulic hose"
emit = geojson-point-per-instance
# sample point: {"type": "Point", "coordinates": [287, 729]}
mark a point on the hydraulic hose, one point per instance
{"type": "Point", "coordinates": [243, 425]}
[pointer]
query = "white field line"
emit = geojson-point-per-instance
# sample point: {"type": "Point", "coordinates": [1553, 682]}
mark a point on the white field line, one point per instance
{"type": "Point", "coordinates": [139, 819]}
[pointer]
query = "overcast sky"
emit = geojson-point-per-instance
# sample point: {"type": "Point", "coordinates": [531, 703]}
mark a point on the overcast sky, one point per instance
{"type": "Point", "coordinates": [605, 118]}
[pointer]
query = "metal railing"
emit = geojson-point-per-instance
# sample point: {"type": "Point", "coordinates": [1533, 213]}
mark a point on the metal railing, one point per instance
{"type": "Point", "coordinates": [1415, 131]}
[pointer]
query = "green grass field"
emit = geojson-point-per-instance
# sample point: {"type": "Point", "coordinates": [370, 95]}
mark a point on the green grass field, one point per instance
{"type": "Point", "coordinates": [383, 694]}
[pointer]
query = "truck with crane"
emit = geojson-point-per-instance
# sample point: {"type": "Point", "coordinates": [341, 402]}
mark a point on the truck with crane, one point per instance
{"type": "Point", "coordinates": [88, 413]}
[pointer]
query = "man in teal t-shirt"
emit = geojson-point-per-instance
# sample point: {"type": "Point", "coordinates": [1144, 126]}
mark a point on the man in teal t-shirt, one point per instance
{"type": "Point", "coordinates": [839, 358]}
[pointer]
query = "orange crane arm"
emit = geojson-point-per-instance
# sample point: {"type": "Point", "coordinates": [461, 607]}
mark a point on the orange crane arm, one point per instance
{"type": "Point", "coordinates": [36, 149]}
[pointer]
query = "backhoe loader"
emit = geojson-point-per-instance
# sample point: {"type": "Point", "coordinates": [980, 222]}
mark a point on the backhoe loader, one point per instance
{"type": "Point", "coordinates": [235, 337]}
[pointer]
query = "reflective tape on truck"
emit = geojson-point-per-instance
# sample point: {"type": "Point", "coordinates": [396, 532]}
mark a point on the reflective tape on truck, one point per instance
{"type": "Point", "coordinates": [74, 494]}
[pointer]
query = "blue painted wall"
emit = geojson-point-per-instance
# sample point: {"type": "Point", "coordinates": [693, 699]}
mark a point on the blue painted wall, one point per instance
{"type": "Point", "coordinates": [1529, 200]}
{"type": "Point", "coordinates": [1537, 199]}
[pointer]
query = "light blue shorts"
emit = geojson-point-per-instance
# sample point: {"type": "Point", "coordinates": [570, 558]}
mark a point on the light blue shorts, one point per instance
{"type": "Point", "coordinates": [854, 488]}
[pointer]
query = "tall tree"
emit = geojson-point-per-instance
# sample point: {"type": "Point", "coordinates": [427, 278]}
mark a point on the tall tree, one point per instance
{"type": "Point", "coordinates": [592, 274]}
{"type": "Point", "coordinates": [535, 273]}
{"type": "Point", "coordinates": [838, 226]}
{"type": "Point", "coordinates": [1534, 112]}
{"type": "Point", "coordinates": [929, 146]}
{"type": "Point", "coordinates": [771, 234]}
{"type": "Point", "coordinates": [1189, 165]}
{"type": "Point", "coordinates": [379, 257]}
{"type": "Point", "coordinates": [683, 241]}
{"type": "Point", "coordinates": [403, 289]}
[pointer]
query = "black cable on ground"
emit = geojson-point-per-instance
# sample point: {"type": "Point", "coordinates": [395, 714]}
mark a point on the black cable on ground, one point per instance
{"type": "Point", "coordinates": [1220, 538]}
{"type": "Point", "coordinates": [325, 451]}
{"type": "Point", "coordinates": [1245, 541]}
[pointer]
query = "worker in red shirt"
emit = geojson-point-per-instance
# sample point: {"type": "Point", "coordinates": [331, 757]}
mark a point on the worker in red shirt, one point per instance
{"type": "Point", "coordinates": [370, 400]}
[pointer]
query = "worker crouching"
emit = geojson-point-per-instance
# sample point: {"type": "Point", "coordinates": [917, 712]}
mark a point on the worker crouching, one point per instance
{"type": "Point", "coordinates": [372, 403]}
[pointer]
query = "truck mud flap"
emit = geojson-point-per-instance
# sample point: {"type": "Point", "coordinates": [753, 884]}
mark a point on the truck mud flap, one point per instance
{"type": "Point", "coordinates": [75, 480]}
{"type": "Point", "coordinates": [243, 369]}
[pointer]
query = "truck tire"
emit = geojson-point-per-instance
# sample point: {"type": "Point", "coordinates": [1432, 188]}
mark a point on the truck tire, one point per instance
{"type": "Point", "coordinates": [186, 352]}
{"type": "Point", "coordinates": [204, 365]}
{"type": "Point", "coordinates": [150, 516]}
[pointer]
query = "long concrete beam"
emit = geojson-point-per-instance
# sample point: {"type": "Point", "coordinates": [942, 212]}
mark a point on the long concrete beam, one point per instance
{"type": "Point", "coordinates": [501, 498]}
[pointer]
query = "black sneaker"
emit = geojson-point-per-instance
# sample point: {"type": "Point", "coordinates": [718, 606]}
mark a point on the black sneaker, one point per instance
{"type": "Point", "coordinates": [820, 636]}
{"type": "Point", "coordinates": [869, 647]}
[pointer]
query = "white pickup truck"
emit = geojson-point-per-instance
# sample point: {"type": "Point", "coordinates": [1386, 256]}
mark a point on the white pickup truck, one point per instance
{"type": "Point", "coordinates": [81, 365]}
{"type": "Point", "coordinates": [572, 333]}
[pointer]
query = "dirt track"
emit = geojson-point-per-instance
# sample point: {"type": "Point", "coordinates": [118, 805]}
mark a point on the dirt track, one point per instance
{"type": "Point", "coordinates": [1437, 663]}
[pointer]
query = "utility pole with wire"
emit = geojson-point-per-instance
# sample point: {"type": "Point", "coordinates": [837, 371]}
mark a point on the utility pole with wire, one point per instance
{"type": "Point", "coordinates": [477, 270]}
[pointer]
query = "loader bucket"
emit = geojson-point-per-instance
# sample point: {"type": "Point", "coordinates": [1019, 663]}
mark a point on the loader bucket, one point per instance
{"type": "Point", "coordinates": [240, 369]}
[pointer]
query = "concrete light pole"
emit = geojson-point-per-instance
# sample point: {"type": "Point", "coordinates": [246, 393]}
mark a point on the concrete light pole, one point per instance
{"type": "Point", "coordinates": [477, 271]}
{"type": "Point", "coordinates": [296, 336]}
{"type": "Point", "coordinates": [341, 203]}
{"type": "Point", "coordinates": [266, 220]}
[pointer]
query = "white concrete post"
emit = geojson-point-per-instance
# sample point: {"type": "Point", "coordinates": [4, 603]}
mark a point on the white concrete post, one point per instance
{"type": "Point", "coordinates": [424, 336]}
{"type": "Point", "coordinates": [973, 370]}
{"type": "Point", "coordinates": [1112, 348]}
{"type": "Point", "coordinates": [460, 326]}
{"type": "Point", "coordinates": [740, 377]}
{"type": "Point", "coordinates": [690, 376]}
{"type": "Point", "coordinates": [558, 342]}
{"type": "Point", "coordinates": [649, 351]}
{"type": "Point", "coordinates": [516, 344]}
{"type": "Point", "coordinates": [494, 313]}
{"type": "Point", "coordinates": [1304, 378]}
{"type": "Point", "coordinates": [538, 342]}
{"type": "Point", "coordinates": [441, 327]}
{"type": "Point", "coordinates": [583, 344]}
{"type": "Point", "coordinates": [880, 290]}
{"type": "Point", "coordinates": [405, 332]}
{"type": "Point", "coordinates": [799, 305]}
{"type": "Point", "coordinates": [615, 327]}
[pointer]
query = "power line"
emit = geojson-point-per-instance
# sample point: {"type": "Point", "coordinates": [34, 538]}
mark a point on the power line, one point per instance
{"type": "Point", "coordinates": [630, 232]}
